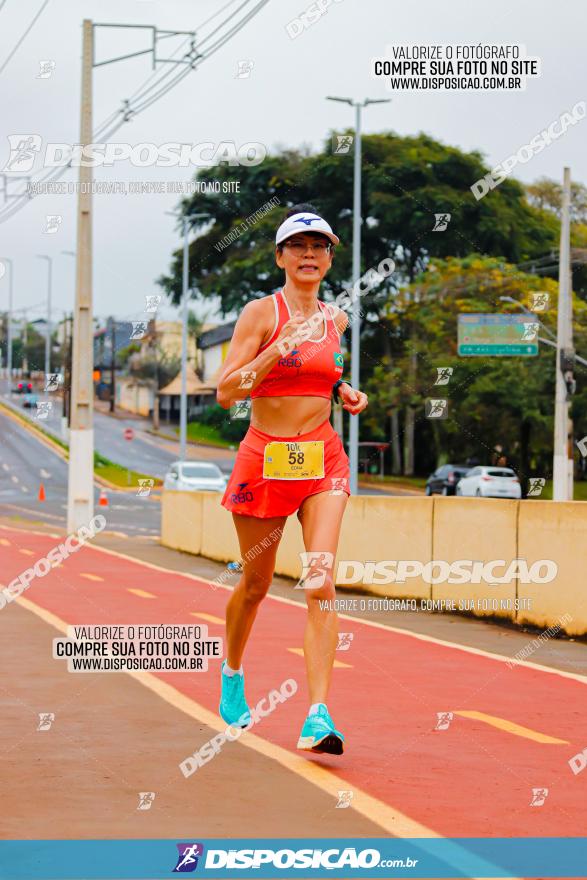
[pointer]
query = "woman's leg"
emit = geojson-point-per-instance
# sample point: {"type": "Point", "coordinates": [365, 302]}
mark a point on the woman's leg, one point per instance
{"type": "Point", "coordinates": [258, 541]}
{"type": "Point", "coordinates": [321, 517]}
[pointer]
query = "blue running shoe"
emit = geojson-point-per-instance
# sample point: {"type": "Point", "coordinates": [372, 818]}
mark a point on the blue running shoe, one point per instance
{"type": "Point", "coordinates": [320, 735]}
{"type": "Point", "coordinates": [233, 706]}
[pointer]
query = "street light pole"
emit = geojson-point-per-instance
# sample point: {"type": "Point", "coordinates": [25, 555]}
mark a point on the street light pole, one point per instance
{"type": "Point", "coordinates": [517, 302]}
{"type": "Point", "coordinates": [183, 400]}
{"type": "Point", "coordinates": [9, 328]}
{"type": "Point", "coordinates": [66, 407]}
{"type": "Point", "coordinates": [561, 484]}
{"type": "Point", "coordinates": [48, 333]}
{"type": "Point", "coordinates": [356, 311]}
{"type": "Point", "coordinates": [186, 222]}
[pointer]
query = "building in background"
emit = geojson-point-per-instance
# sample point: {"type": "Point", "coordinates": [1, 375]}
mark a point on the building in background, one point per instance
{"type": "Point", "coordinates": [201, 390]}
{"type": "Point", "coordinates": [213, 345]}
{"type": "Point", "coordinates": [135, 395]}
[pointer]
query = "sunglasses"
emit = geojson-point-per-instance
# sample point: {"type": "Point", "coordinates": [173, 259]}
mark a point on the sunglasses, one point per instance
{"type": "Point", "coordinates": [318, 248]}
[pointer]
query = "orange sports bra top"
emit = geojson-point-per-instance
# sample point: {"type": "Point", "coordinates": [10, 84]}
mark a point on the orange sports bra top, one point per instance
{"type": "Point", "coordinates": [309, 369]}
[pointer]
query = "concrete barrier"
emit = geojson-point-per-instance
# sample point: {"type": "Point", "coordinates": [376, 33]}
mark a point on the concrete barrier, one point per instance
{"type": "Point", "coordinates": [181, 520]}
{"type": "Point", "coordinates": [379, 528]}
{"type": "Point", "coordinates": [558, 531]}
{"type": "Point", "coordinates": [481, 529]}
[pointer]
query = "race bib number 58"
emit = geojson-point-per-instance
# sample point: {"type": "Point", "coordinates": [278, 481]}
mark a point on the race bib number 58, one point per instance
{"type": "Point", "coordinates": [294, 461]}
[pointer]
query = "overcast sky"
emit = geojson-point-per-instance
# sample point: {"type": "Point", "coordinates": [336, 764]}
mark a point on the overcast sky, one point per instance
{"type": "Point", "coordinates": [280, 103]}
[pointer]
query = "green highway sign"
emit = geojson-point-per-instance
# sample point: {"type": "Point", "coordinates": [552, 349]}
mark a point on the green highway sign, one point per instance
{"type": "Point", "coordinates": [497, 335]}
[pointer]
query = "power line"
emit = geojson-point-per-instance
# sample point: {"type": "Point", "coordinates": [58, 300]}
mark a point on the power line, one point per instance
{"type": "Point", "coordinates": [24, 36]}
{"type": "Point", "coordinates": [218, 45]}
{"type": "Point", "coordinates": [138, 93]}
{"type": "Point", "coordinates": [127, 111]}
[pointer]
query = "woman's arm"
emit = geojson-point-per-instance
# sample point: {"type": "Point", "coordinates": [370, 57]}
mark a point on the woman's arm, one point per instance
{"type": "Point", "coordinates": [251, 329]}
{"type": "Point", "coordinates": [249, 332]}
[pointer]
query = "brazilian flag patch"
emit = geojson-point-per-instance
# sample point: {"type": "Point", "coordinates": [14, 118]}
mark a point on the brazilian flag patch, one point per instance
{"type": "Point", "coordinates": [338, 360]}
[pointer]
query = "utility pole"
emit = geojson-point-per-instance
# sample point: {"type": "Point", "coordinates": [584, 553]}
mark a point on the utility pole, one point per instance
{"type": "Point", "coordinates": [25, 339]}
{"type": "Point", "coordinates": [112, 323]}
{"type": "Point", "coordinates": [562, 470]}
{"type": "Point", "coordinates": [355, 315]}
{"type": "Point", "coordinates": [48, 330]}
{"type": "Point", "coordinates": [9, 328]}
{"type": "Point", "coordinates": [80, 489]}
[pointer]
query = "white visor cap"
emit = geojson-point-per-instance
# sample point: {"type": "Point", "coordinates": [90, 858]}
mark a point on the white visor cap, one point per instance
{"type": "Point", "coordinates": [305, 223]}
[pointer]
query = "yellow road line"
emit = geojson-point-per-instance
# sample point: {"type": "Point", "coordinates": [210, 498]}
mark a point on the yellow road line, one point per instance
{"type": "Point", "coordinates": [381, 814]}
{"type": "Point", "coordinates": [210, 617]}
{"type": "Point", "coordinates": [142, 593]}
{"type": "Point", "coordinates": [479, 652]}
{"type": "Point", "coordinates": [391, 820]}
{"type": "Point", "coordinates": [4, 542]}
{"type": "Point", "coordinates": [337, 663]}
{"type": "Point", "coordinates": [91, 577]}
{"type": "Point", "coordinates": [512, 727]}
{"type": "Point", "coordinates": [26, 552]}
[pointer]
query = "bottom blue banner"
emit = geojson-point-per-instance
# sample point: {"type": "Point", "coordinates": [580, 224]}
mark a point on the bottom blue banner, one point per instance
{"type": "Point", "coordinates": [293, 857]}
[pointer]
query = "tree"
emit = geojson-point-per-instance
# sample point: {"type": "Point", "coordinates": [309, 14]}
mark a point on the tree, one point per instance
{"type": "Point", "coordinates": [547, 195]}
{"type": "Point", "coordinates": [508, 400]}
{"type": "Point", "coordinates": [406, 180]}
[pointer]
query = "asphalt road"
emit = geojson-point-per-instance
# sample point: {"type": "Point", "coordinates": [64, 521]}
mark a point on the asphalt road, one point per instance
{"type": "Point", "coordinates": [26, 462]}
{"type": "Point", "coordinates": [145, 453]}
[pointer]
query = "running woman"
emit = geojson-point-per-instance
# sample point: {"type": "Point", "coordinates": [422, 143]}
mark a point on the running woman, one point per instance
{"type": "Point", "coordinates": [286, 354]}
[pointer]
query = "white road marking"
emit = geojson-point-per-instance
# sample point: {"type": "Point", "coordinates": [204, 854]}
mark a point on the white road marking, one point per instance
{"type": "Point", "coordinates": [5, 466]}
{"type": "Point", "coordinates": [45, 474]}
{"type": "Point", "coordinates": [14, 479]}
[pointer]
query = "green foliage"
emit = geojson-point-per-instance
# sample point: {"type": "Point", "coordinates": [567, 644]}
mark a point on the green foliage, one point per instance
{"type": "Point", "coordinates": [406, 180]}
{"type": "Point", "coordinates": [410, 321]}
{"type": "Point", "coordinates": [232, 430]}
{"type": "Point", "coordinates": [491, 400]}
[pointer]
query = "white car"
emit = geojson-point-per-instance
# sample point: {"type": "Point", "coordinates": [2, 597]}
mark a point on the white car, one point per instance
{"type": "Point", "coordinates": [490, 482]}
{"type": "Point", "coordinates": [195, 476]}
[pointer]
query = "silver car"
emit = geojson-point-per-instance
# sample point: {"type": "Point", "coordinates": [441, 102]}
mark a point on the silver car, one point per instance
{"type": "Point", "coordinates": [195, 476]}
{"type": "Point", "coordinates": [490, 482]}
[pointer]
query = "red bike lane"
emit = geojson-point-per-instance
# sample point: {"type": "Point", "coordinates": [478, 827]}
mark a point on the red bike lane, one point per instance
{"type": "Point", "coordinates": [473, 779]}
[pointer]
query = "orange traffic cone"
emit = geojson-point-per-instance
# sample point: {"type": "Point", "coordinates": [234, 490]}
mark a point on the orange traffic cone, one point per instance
{"type": "Point", "coordinates": [41, 493]}
{"type": "Point", "coordinates": [103, 500]}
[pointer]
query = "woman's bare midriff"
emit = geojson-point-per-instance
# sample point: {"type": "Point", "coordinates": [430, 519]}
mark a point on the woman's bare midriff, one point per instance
{"type": "Point", "coordinates": [289, 416]}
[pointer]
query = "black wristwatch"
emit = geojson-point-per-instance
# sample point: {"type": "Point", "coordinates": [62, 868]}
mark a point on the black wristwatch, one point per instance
{"type": "Point", "coordinates": [336, 386]}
